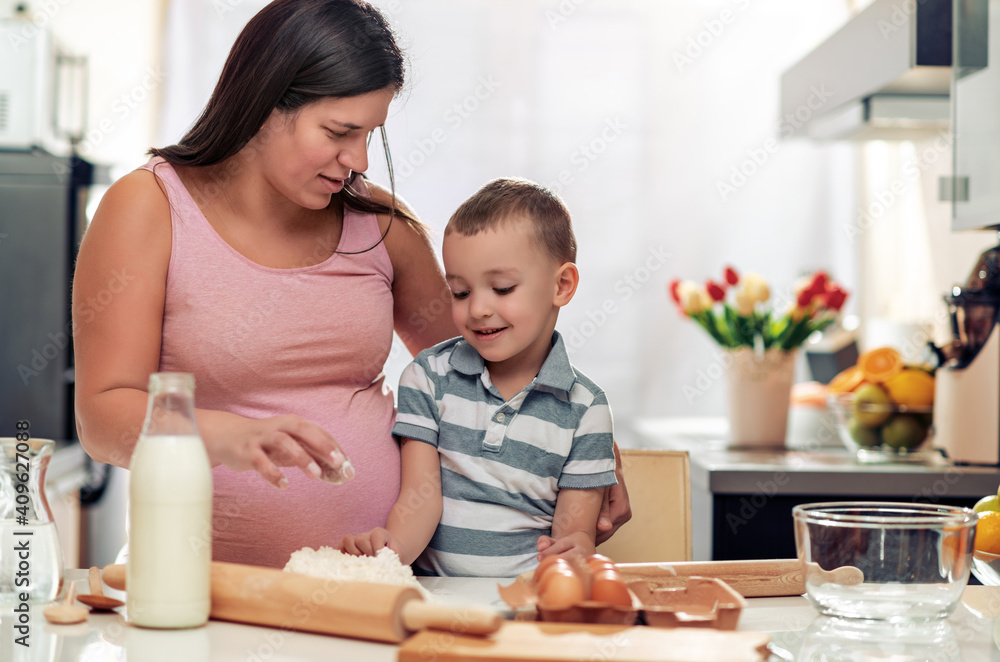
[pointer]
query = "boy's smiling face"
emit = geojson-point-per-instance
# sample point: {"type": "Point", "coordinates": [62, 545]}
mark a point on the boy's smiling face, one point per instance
{"type": "Point", "coordinates": [505, 293]}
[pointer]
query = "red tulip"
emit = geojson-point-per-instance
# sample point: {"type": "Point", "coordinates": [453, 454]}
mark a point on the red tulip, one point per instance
{"type": "Point", "coordinates": [731, 276]}
{"type": "Point", "coordinates": [835, 298]}
{"type": "Point", "coordinates": [715, 290]}
{"type": "Point", "coordinates": [819, 282]}
{"type": "Point", "coordinates": [805, 297]}
{"type": "Point", "coordinates": [672, 287]}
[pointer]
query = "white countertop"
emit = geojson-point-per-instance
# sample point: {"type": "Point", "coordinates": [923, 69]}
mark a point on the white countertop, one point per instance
{"type": "Point", "coordinates": [797, 632]}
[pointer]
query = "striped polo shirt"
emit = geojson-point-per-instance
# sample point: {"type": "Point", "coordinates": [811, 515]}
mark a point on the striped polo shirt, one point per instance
{"type": "Point", "coordinates": [502, 462]}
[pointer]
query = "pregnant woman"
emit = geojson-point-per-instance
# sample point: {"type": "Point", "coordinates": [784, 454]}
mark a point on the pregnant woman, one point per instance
{"type": "Point", "coordinates": [258, 258]}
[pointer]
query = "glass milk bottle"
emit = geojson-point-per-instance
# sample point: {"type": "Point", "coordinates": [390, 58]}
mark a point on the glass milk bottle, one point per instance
{"type": "Point", "coordinates": [170, 512]}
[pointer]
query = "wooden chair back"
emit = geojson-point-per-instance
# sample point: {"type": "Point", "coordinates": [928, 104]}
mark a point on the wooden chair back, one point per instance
{"type": "Point", "coordinates": [659, 490]}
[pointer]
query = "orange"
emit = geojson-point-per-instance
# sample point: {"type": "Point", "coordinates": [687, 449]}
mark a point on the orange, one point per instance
{"type": "Point", "coordinates": [953, 545]}
{"type": "Point", "coordinates": [846, 381]}
{"type": "Point", "coordinates": [880, 365]}
{"type": "Point", "coordinates": [911, 387]}
{"type": "Point", "coordinates": [988, 533]}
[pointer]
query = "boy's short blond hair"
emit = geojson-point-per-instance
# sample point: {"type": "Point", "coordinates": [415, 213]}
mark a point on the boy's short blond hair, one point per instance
{"type": "Point", "coordinates": [509, 199]}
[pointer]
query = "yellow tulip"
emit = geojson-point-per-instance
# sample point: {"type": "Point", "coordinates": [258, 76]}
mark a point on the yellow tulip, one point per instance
{"type": "Point", "coordinates": [694, 298]}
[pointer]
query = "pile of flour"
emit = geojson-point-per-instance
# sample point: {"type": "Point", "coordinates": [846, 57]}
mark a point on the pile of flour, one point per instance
{"type": "Point", "coordinates": [329, 563]}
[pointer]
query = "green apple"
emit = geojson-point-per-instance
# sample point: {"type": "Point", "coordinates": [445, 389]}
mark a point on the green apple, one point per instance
{"type": "Point", "coordinates": [863, 435]}
{"type": "Point", "coordinates": [872, 406]}
{"type": "Point", "coordinates": [989, 502]}
{"type": "Point", "coordinates": [904, 431]}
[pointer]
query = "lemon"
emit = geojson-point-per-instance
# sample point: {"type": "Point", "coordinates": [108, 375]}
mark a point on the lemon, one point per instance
{"type": "Point", "coordinates": [989, 502]}
{"type": "Point", "coordinates": [912, 388]}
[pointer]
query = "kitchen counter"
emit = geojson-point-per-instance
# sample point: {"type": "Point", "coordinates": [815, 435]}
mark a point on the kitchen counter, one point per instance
{"type": "Point", "coordinates": [746, 495]}
{"type": "Point", "coordinates": [794, 625]}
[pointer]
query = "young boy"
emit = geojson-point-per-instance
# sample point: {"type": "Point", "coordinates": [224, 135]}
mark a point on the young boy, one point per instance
{"type": "Point", "coordinates": [504, 442]}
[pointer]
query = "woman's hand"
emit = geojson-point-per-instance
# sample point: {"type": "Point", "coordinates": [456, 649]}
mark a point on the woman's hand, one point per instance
{"type": "Point", "coordinates": [615, 510]}
{"type": "Point", "coordinates": [263, 445]}
{"type": "Point", "coordinates": [368, 544]}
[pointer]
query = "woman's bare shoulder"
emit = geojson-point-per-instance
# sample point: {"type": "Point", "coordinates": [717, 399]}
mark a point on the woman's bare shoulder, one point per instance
{"type": "Point", "coordinates": [133, 216]}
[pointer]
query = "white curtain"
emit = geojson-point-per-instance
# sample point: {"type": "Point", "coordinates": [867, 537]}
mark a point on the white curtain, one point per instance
{"type": "Point", "coordinates": [654, 121]}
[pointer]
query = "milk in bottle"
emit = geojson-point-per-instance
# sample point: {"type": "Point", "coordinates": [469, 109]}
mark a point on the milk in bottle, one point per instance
{"type": "Point", "coordinates": [170, 512]}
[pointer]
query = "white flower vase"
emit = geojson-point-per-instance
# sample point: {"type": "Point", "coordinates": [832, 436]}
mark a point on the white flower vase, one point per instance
{"type": "Point", "coordinates": [758, 390]}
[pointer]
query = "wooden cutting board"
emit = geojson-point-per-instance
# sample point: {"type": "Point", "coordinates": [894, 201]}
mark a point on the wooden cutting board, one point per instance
{"type": "Point", "coordinates": [545, 642]}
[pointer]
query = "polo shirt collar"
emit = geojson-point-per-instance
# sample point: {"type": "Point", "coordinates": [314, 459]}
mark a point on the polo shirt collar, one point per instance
{"type": "Point", "coordinates": [556, 371]}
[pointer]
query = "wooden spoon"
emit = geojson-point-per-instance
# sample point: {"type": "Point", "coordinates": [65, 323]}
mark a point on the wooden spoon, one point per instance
{"type": "Point", "coordinates": [97, 600]}
{"type": "Point", "coordinates": [67, 612]}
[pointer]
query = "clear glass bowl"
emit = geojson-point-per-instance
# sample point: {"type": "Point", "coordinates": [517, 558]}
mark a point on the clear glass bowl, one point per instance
{"type": "Point", "coordinates": [828, 639]}
{"type": "Point", "coordinates": [888, 562]}
{"type": "Point", "coordinates": [883, 433]}
{"type": "Point", "coordinates": [986, 568]}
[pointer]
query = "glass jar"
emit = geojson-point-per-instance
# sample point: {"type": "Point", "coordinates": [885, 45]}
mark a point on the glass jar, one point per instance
{"type": "Point", "coordinates": [31, 562]}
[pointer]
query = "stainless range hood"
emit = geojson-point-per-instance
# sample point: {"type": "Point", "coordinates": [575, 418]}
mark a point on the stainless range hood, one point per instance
{"type": "Point", "coordinates": [885, 75]}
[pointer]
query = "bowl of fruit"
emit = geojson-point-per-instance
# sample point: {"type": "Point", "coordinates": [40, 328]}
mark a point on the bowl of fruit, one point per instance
{"type": "Point", "coordinates": [883, 407]}
{"type": "Point", "coordinates": [986, 547]}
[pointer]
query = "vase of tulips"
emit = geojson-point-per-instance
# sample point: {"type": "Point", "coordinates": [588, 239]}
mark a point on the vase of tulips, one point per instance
{"type": "Point", "coordinates": [760, 343]}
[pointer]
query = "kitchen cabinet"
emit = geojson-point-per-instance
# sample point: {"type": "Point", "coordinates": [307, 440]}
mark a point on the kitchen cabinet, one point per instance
{"type": "Point", "coordinates": [975, 131]}
{"type": "Point", "coordinates": [742, 500]}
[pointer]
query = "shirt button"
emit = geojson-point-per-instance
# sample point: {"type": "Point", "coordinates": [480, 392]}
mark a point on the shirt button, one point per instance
{"type": "Point", "coordinates": [500, 417]}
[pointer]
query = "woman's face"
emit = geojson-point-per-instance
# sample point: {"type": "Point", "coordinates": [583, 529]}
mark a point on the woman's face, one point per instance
{"type": "Point", "coordinates": [307, 155]}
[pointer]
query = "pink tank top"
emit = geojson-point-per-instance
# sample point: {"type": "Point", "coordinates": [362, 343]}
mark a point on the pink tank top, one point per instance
{"type": "Point", "coordinates": [261, 342]}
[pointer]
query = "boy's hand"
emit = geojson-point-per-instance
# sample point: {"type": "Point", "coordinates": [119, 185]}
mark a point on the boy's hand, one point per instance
{"type": "Point", "coordinates": [368, 544]}
{"type": "Point", "coordinates": [577, 543]}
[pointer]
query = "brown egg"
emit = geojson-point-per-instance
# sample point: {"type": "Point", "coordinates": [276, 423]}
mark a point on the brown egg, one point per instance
{"type": "Point", "coordinates": [608, 586]}
{"type": "Point", "coordinates": [546, 563]}
{"type": "Point", "coordinates": [598, 559]}
{"type": "Point", "coordinates": [560, 588]}
{"type": "Point", "coordinates": [599, 567]}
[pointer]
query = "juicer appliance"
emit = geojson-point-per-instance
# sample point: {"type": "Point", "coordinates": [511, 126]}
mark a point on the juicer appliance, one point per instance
{"type": "Point", "coordinates": [967, 383]}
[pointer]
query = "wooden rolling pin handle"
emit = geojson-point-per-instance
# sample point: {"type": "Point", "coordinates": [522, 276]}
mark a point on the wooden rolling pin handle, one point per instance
{"type": "Point", "coordinates": [114, 577]}
{"type": "Point", "coordinates": [419, 615]}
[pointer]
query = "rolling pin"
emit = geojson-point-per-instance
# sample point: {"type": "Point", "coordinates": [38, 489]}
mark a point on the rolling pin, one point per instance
{"type": "Point", "coordinates": [752, 579]}
{"type": "Point", "coordinates": [362, 610]}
